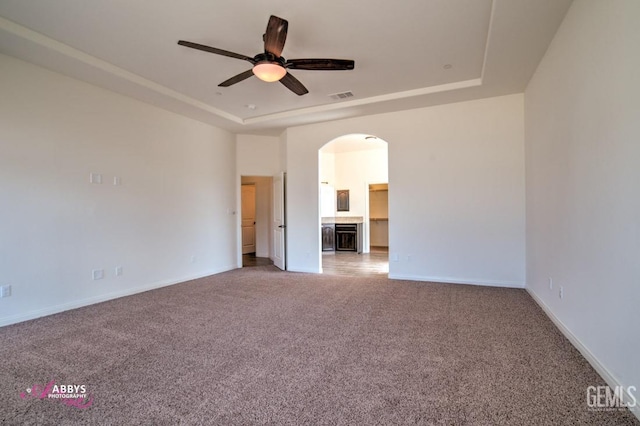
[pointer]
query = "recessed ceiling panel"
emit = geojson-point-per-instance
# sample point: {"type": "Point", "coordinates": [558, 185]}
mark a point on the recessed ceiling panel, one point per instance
{"type": "Point", "coordinates": [400, 49]}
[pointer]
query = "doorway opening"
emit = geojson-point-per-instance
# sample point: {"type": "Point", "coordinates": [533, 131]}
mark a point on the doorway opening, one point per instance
{"type": "Point", "coordinates": [255, 223]}
{"type": "Point", "coordinates": [354, 202]}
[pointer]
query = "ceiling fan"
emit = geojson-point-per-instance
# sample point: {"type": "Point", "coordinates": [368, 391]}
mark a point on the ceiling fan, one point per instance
{"type": "Point", "coordinates": [271, 66]}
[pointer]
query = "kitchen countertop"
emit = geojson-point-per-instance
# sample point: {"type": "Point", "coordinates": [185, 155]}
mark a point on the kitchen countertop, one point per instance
{"type": "Point", "coordinates": [341, 219]}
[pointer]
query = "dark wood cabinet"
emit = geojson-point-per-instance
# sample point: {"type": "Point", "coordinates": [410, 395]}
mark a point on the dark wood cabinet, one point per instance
{"type": "Point", "coordinates": [342, 237]}
{"type": "Point", "coordinates": [328, 238]}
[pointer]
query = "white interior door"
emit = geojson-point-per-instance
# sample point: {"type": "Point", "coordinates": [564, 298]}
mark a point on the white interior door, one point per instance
{"type": "Point", "coordinates": [248, 197]}
{"type": "Point", "coordinates": [279, 225]}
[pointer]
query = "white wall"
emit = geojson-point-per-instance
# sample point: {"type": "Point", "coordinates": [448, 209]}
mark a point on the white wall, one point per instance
{"type": "Point", "coordinates": [177, 183]}
{"type": "Point", "coordinates": [258, 156]}
{"type": "Point", "coordinates": [327, 184]}
{"type": "Point", "coordinates": [456, 190]}
{"type": "Point", "coordinates": [328, 168]}
{"type": "Point", "coordinates": [327, 200]}
{"type": "Point", "coordinates": [354, 171]}
{"type": "Point", "coordinates": [583, 173]}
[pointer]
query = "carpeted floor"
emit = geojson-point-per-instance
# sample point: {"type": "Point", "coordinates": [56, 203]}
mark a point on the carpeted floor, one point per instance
{"type": "Point", "coordinates": [260, 346]}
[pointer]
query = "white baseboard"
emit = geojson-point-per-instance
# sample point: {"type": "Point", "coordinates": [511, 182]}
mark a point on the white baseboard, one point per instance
{"type": "Point", "coordinates": [50, 310]}
{"type": "Point", "coordinates": [305, 270]}
{"type": "Point", "coordinates": [603, 371]}
{"type": "Point", "coordinates": [450, 280]}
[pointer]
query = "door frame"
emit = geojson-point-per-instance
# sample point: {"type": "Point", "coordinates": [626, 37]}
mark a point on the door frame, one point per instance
{"type": "Point", "coordinates": [279, 224]}
{"type": "Point", "coordinates": [264, 184]}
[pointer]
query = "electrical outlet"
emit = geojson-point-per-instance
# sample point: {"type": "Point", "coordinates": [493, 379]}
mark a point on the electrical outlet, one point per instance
{"type": "Point", "coordinates": [118, 271]}
{"type": "Point", "coordinates": [5, 291]}
{"type": "Point", "coordinates": [97, 274]}
{"type": "Point", "coordinates": [550, 283]}
{"type": "Point", "coordinates": [561, 292]}
{"type": "Point", "coordinates": [395, 257]}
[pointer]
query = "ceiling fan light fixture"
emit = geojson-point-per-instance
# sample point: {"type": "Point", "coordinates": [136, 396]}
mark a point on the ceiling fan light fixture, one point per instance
{"type": "Point", "coordinates": [270, 66]}
{"type": "Point", "coordinates": [269, 71]}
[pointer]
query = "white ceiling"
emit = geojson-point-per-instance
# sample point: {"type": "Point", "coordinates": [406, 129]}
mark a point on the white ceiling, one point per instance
{"type": "Point", "coordinates": [402, 52]}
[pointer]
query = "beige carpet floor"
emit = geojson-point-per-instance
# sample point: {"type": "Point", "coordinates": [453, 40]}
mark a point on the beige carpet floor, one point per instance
{"type": "Point", "coordinates": [260, 346]}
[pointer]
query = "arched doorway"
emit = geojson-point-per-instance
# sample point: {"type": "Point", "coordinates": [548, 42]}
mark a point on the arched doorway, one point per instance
{"type": "Point", "coordinates": [354, 177]}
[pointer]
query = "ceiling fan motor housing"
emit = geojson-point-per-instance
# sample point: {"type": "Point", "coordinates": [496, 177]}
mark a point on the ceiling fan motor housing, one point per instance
{"type": "Point", "coordinates": [269, 57]}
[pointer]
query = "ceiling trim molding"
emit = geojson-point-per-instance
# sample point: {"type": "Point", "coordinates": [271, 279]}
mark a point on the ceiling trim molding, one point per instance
{"type": "Point", "coordinates": [365, 101]}
{"type": "Point", "coordinates": [518, 33]}
{"type": "Point", "coordinates": [66, 50]}
{"type": "Point", "coordinates": [73, 53]}
{"type": "Point", "coordinates": [492, 16]}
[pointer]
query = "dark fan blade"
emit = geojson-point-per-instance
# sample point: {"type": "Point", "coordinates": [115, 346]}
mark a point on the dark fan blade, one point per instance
{"type": "Point", "coordinates": [237, 79]}
{"type": "Point", "coordinates": [214, 50]}
{"type": "Point", "coordinates": [320, 64]}
{"type": "Point", "coordinates": [293, 84]}
{"type": "Point", "coordinates": [276, 35]}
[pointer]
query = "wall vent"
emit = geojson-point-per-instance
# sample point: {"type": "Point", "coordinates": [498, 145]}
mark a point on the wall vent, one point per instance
{"type": "Point", "coordinates": [343, 95]}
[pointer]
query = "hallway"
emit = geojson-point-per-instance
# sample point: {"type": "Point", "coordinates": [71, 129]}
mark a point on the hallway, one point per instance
{"type": "Point", "coordinates": [375, 263]}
